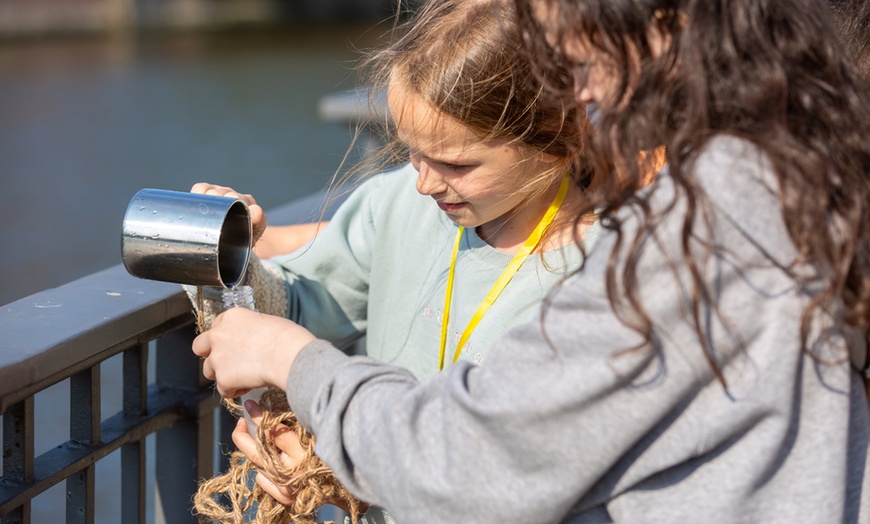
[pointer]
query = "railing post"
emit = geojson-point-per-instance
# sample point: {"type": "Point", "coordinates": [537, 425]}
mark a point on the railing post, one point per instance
{"type": "Point", "coordinates": [185, 449]}
{"type": "Point", "coordinates": [18, 453]}
{"type": "Point", "coordinates": [135, 404]}
{"type": "Point", "coordinates": [84, 430]}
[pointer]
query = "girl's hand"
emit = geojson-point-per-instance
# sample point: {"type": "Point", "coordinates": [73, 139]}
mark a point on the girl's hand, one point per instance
{"type": "Point", "coordinates": [292, 453]}
{"type": "Point", "coordinates": [258, 216]}
{"type": "Point", "coordinates": [245, 349]}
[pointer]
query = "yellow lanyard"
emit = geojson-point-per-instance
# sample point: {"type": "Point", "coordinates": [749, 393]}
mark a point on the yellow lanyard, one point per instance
{"type": "Point", "coordinates": [502, 281]}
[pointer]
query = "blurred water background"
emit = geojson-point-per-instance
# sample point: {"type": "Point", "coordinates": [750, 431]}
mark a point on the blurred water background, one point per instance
{"type": "Point", "coordinates": [85, 123]}
{"type": "Point", "coordinates": [88, 119]}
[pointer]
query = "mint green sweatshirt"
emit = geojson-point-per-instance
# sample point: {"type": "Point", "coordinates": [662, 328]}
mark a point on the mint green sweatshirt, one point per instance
{"type": "Point", "coordinates": [380, 269]}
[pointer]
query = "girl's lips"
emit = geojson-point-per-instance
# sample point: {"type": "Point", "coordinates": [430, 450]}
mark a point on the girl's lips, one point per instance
{"type": "Point", "coordinates": [450, 207]}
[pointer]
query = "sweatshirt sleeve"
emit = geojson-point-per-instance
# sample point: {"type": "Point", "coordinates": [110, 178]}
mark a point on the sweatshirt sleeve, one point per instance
{"type": "Point", "coordinates": [326, 283]}
{"type": "Point", "coordinates": [575, 407]}
{"type": "Point", "coordinates": [518, 440]}
{"type": "Point", "coordinates": [329, 276]}
{"type": "Point", "coordinates": [514, 441]}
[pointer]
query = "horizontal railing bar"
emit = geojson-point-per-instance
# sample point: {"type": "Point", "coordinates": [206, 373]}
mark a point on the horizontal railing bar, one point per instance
{"type": "Point", "coordinates": [170, 325]}
{"type": "Point", "coordinates": [54, 334]}
{"type": "Point", "coordinates": [165, 407]}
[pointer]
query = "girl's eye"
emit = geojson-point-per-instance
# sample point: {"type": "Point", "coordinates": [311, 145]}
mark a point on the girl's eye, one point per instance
{"type": "Point", "coordinates": [454, 167]}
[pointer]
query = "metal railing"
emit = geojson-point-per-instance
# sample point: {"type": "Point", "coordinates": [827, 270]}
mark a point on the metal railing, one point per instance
{"type": "Point", "coordinates": [65, 334]}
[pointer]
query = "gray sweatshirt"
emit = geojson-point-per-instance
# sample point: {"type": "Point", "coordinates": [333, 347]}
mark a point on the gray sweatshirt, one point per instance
{"type": "Point", "coordinates": [576, 419]}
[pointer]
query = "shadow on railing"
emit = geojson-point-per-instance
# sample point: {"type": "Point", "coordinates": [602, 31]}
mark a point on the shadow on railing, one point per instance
{"type": "Point", "coordinates": [67, 333]}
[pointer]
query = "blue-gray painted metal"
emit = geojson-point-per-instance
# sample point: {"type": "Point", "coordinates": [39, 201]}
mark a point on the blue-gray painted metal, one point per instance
{"type": "Point", "coordinates": [65, 333]}
{"type": "Point", "coordinates": [135, 404]}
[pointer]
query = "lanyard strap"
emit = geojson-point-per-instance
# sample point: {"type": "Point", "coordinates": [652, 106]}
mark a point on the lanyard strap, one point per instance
{"type": "Point", "coordinates": [503, 280]}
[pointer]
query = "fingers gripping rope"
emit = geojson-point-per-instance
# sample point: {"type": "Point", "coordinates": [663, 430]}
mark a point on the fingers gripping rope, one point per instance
{"type": "Point", "coordinates": [228, 499]}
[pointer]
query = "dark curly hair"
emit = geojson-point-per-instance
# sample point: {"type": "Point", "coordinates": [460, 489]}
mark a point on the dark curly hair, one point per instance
{"type": "Point", "coordinates": [768, 71]}
{"type": "Point", "coordinates": [853, 19]}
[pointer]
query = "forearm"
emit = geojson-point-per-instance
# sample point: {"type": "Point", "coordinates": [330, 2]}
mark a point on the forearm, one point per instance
{"type": "Point", "coordinates": [279, 240]}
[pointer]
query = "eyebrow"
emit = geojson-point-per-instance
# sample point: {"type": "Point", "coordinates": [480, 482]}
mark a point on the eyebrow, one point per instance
{"type": "Point", "coordinates": [452, 161]}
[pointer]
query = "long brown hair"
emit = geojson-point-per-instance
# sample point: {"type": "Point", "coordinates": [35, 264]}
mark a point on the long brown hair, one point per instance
{"type": "Point", "coordinates": [768, 71]}
{"type": "Point", "coordinates": [465, 58]}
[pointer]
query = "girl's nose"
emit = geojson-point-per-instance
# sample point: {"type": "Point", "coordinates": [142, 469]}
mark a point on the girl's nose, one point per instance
{"type": "Point", "coordinates": [582, 93]}
{"type": "Point", "coordinates": [429, 181]}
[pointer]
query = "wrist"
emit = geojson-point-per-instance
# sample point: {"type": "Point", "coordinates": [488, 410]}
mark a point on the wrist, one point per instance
{"type": "Point", "coordinates": [295, 340]}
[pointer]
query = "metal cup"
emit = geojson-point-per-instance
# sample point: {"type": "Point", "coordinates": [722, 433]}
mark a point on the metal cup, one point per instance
{"type": "Point", "coordinates": [186, 238]}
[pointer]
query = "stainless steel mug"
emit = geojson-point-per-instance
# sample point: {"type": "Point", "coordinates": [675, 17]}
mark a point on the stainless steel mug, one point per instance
{"type": "Point", "coordinates": [186, 238]}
